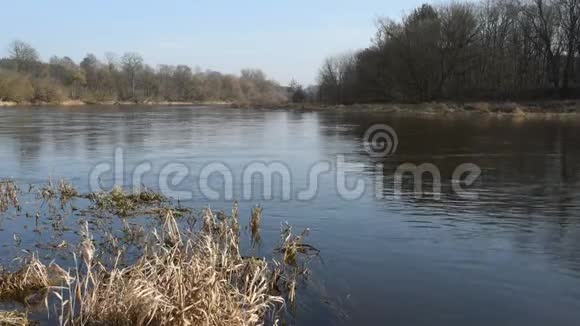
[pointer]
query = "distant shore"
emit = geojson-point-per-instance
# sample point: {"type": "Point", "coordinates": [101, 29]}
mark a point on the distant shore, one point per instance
{"type": "Point", "coordinates": [557, 107]}
{"type": "Point", "coordinates": [561, 107]}
{"type": "Point", "coordinates": [73, 103]}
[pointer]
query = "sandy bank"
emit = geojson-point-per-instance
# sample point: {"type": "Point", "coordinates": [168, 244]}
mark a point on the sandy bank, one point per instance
{"type": "Point", "coordinates": [113, 103]}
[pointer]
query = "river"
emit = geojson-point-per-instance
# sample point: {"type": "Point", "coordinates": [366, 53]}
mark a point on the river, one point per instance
{"type": "Point", "coordinates": [505, 252]}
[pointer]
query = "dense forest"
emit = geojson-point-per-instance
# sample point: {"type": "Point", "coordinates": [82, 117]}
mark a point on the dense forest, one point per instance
{"type": "Point", "coordinates": [491, 50]}
{"type": "Point", "coordinates": [24, 78]}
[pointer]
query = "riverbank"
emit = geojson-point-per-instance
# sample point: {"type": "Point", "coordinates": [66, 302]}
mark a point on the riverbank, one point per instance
{"type": "Point", "coordinates": [571, 107]}
{"type": "Point", "coordinates": [112, 103]}
{"type": "Point", "coordinates": [567, 107]}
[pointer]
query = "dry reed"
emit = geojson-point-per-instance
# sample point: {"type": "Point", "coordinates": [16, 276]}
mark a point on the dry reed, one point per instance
{"type": "Point", "coordinates": [124, 204]}
{"type": "Point", "coordinates": [8, 195]}
{"type": "Point", "coordinates": [194, 281]}
{"type": "Point", "coordinates": [13, 318]}
{"type": "Point", "coordinates": [31, 283]}
{"type": "Point", "coordinates": [67, 191]}
{"type": "Point", "coordinates": [182, 277]}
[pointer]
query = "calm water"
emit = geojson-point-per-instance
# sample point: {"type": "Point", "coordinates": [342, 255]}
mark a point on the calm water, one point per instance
{"type": "Point", "coordinates": [511, 257]}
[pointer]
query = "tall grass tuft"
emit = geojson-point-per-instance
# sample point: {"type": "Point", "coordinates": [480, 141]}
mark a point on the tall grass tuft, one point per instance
{"type": "Point", "coordinates": [32, 282]}
{"type": "Point", "coordinates": [255, 220]}
{"type": "Point", "coordinates": [202, 280]}
{"type": "Point", "coordinates": [124, 204]}
{"type": "Point", "coordinates": [67, 191]}
{"type": "Point", "coordinates": [8, 195]}
{"type": "Point", "coordinates": [13, 318]}
{"type": "Point", "coordinates": [47, 191]}
{"type": "Point", "coordinates": [180, 276]}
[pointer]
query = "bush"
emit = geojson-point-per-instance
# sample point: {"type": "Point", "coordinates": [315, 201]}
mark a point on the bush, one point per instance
{"type": "Point", "coordinates": [46, 90]}
{"type": "Point", "coordinates": [15, 87]}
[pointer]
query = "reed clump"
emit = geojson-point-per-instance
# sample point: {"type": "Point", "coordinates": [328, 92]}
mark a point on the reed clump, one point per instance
{"type": "Point", "coordinates": [181, 276]}
{"type": "Point", "coordinates": [293, 246]}
{"type": "Point", "coordinates": [31, 283]}
{"type": "Point", "coordinates": [255, 220]}
{"type": "Point", "coordinates": [123, 203]}
{"type": "Point", "coordinates": [294, 263]}
{"type": "Point", "coordinates": [29, 280]}
{"type": "Point", "coordinates": [13, 318]}
{"type": "Point", "coordinates": [8, 195]}
{"type": "Point", "coordinates": [180, 280]}
{"type": "Point", "coordinates": [47, 191]}
{"type": "Point", "coordinates": [67, 191]}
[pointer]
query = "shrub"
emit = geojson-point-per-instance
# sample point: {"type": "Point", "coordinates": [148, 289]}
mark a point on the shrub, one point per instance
{"type": "Point", "coordinates": [46, 90]}
{"type": "Point", "coordinates": [15, 87]}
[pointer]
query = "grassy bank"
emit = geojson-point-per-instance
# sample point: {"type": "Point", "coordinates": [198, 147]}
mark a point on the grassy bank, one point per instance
{"type": "Point", "coordinates": [186, 268]}
{"type": "Point", "coordinates": [569, 107]}
{"type": "Point", "coordinates": [507, 108]}
{"type": "Point", "coordinates": [124, 103]}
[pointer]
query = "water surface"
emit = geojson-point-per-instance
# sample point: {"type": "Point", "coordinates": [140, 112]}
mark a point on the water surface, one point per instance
{"type": "Point", "coordinates": [511, 257]}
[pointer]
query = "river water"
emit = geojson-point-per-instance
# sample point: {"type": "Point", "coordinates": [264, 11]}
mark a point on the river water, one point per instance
{"type": "Point", "coordinates": [506, 254]}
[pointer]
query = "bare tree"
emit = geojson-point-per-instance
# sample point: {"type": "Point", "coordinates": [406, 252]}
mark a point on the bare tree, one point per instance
{"type": "Point", "coordinates": [132, 64]}
{"type": "Point", "coordinates": [543, 16]}
{"type": "Point", "coordinates": [23, 54]}
{"type": "Point", "coordinates": [498, 49]}
{"type": "Point", "coordinates": [459, 31]}
{"type": "Point", "coordinates": [297, 92]}
{"type": "Point", "coordinates": [569, 17]}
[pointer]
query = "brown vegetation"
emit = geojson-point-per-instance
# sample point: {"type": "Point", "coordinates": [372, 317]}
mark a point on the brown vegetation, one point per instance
{"type": "Point", "coordinates": [13, 318]}
{"type": "Point", "coordinates": [25, 79]}
{"type": "Point", "coordinates": [183, 275]}
{"type": "Point", "coordinates": [532, 108]}
{"type": "Point", "coordinates": [8, 195]}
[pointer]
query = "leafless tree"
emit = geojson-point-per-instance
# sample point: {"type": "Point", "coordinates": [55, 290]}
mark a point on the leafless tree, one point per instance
{"type": "Point", "coordinates": [132, 64]}
{"type": "Point", "coordinates": [23, 54]}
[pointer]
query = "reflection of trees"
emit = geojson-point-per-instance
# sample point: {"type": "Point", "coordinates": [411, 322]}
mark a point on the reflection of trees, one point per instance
{"type": "Point", "coordinates": [529, 186]}
{"type": "Point", "coordinates": [526, 165]}
{"type": "Point", "coordinates": [90, 133]}
{"type": "Point", "coordinates": [26, 132]}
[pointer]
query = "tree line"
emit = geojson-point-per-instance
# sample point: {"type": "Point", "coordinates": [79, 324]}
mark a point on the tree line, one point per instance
{"type": "Point", "coordinates": [493, 49]}
{"type": "Point", "coordinates": [25, 78]}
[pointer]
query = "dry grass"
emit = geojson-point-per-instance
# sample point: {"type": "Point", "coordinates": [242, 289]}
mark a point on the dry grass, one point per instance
{"type": "Point", "coordinates": [123, 203]}
{"type": "Point", "coordinates": [13, 318]}
{"type": "Point", "coordinates": [8, 195]}
{"type": "Point", "coordinates": [32, 282]}
{"type": "Point", "coordinates": [235, 223]}
{"type": "Point", "coordinates": [255, 220]}
{"type": "Point", "coordinates": [202, 280]}
{"type": "Point", "coordinates": [193, 276]}
{"type": "Point", "coordinates": [67, 191]}
{"type": "Point", "coordinates": [293, 246]}
{"type": "Point", "coordinates": [47, 191]}
{"type": "Point", "coordinates": [24, 284]}
{"type": "Point", "coordinates": [198, 280]}
{"type": "Point", "coordinates": [295, 256]}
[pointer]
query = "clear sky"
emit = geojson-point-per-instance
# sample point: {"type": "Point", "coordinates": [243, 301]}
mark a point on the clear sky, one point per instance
{"type": "Point", "coordinates": [286, 39]}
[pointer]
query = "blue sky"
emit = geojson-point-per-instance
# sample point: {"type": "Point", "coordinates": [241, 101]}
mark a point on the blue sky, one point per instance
{"type": "Point", "coordinates": [286, 39]}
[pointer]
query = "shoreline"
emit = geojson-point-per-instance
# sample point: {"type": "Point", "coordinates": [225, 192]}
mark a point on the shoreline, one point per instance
{"type": "Point", "coordinates": [73, 103]}
{"type": "Point", "coordinates": [560, 107]}
{"type": "Point", "coordinates": [554, 107]}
